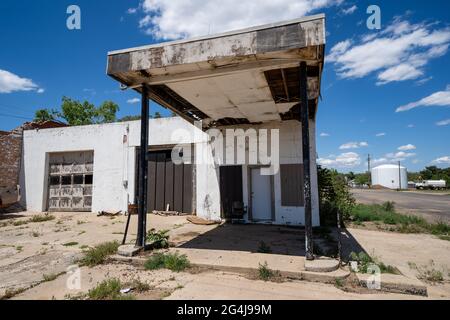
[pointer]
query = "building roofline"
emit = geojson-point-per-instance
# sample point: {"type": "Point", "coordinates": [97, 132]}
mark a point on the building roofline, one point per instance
{"type": "Point", "coordinates": [224, 34]}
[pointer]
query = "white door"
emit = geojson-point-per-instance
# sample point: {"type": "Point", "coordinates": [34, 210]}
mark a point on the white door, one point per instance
{"type": "Point", "coordinates": [261, 194]}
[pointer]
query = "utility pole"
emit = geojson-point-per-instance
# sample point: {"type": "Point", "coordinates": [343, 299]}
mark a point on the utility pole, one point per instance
{"type": "Point", "coordinates": [368, 168]}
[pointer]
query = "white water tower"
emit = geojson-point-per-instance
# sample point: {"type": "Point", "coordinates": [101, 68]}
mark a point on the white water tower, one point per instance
{"type": "Point", "coordinates": [390, 176]}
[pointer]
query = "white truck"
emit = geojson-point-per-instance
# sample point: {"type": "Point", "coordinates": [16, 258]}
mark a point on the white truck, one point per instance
{"type": "Point", "coordinates": [431, 184]}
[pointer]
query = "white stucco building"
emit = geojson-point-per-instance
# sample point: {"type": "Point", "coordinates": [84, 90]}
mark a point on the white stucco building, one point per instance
{"type": "Point", "coordinates": [94, 168]}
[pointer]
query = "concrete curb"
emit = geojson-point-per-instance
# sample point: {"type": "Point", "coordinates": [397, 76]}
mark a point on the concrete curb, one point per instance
{"type": "Point", "coordinates": [396, 284]}
{"type": "Point", "coordinates": [322, 277]}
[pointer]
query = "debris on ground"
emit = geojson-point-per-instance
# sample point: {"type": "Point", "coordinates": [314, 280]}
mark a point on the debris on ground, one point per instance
{"type": "Point", "coordinates": [200, 221]}
{"type": "Point", "coordinates": [169, 213]}
{"type": "Point", "coordinates": [108, 214]}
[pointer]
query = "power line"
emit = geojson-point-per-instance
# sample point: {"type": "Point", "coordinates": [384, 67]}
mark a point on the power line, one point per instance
{"type": "Point", "coordinates": [13, 116]}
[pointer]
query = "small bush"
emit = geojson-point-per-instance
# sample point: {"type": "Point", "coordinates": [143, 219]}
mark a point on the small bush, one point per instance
{"type": "Point", "coordinates": [108, 290]}
{"type": "Point", "coordinates": [158, 239]}
{"type": "Point", "coordinates": [264, 248]}
{"type": "Point", "coordinates": [42, 218]}
{"type": "Point", "coordinates": [97, 255]}
{"type": "Point", "coordinates": [266, 274]}
{"type": "Point", "coordinates": [334, 196]}
{"type": "Point", "coordinates": [138, 286]}
{"type": "Point", "coordinates": [389, 206]}
{"type": "Point", "coordinates": [171, 261]}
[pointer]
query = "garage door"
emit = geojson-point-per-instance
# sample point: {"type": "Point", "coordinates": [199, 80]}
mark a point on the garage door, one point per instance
{"type": "Point", "coordinates": [70, 181]}
{"type": "Point", "coordinates": [169, 185]}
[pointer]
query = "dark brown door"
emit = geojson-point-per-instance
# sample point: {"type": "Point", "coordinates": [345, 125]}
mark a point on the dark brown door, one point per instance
{"type": "Point", "coordinates": [169, 185]}
{"type": "Point", "coordinates": [230, 189]}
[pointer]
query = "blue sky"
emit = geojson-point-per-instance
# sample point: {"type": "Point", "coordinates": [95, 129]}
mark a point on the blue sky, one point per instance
{"type": "Point", "coordinates": [369, 74]}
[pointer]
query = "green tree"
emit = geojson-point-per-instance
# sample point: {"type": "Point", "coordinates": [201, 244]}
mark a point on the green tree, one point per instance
{"type": "Point", "coordinates": [362, 179]}
{"type": "Point", "coordinates": [334, 196]}
{"type": "Point", "coordinates": [45, 115]}
{"type": "Point", "coordinates": [130, 118]}
{"type": "Point", "coordinates": [157, 115]}
{"type": "Point", "coordinates": [77, 113]}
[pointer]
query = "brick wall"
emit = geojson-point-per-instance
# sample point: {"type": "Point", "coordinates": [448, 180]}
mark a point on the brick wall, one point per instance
{"type": "Point", "coordinates": [10, 154]}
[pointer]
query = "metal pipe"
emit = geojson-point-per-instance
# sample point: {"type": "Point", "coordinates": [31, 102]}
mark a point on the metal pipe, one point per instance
{"type": "Point", "coordinates": [304, 118]}
{"type": "Point", "coordinates": [143, 171]}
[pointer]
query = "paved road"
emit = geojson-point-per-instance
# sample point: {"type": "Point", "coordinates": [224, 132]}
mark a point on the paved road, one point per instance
{"type": "Point", "coordinates": [433, 207]}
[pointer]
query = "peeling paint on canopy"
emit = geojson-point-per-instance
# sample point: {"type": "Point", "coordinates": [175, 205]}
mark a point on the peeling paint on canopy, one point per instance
{"type": "Point", "coordinates": [222, 76]}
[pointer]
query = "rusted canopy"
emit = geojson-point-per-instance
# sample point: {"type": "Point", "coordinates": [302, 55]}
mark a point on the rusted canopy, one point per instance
{"type": "Point", "coordinates": [245, 76]}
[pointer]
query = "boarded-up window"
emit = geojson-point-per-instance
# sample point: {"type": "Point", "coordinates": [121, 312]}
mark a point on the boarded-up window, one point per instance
{"type": "Point", "coordinates": [292, 185]}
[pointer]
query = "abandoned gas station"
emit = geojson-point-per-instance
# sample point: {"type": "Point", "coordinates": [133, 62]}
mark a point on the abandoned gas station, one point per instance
{"type": "Point", "coordinates": [261, 77]}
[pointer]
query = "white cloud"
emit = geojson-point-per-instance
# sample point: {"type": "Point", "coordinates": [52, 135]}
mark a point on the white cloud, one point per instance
{"type": "Point", "coordinates": [393, 157]}
{"type": "Point", "coordinates": [423, 81]}
{"type": "Point", "coordinates": [442, 160]}
{"type": "Point", "coordinates": [398, 53]}
{"type": "Point", "coordinates": [40, 90]}
{"type": "Point", "coordinates": [443, 122]}
{"type": "Point", "coordinates": [350, 10]}
{"type": "Point", "coordinates": [408, 147]}
{"type": "Point", "coordinates": [411, 126]}
{"type": "Point", "coordinates": [353, 145]}
{"type": "Point", "coordinates": [134, 101]}
{"type": "Point", "coordinates": [132, 10]}
{"type": "Point", "coordinates": [399, 156]}
{"type": "Point", "coordinates": [9, 82]}
{"type": "Point", "coordinates": [437, 99]}
{"type": "Point", "coordinates": [381, 134]}
{"type": "Point", "coordinates": [324, 134]}
{"type": "Point", "coordinates": [176, 19]}
{"type": "Point", "coordinates": [345, 160]}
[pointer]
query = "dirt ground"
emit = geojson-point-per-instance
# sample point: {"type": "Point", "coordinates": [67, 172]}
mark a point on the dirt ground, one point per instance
{"type": "Point", "coordinates": [30, 252]}
{"type": "Point", "coordinates": [433, 206]}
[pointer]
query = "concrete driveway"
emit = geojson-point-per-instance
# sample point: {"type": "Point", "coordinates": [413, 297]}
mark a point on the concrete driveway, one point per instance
{"type": "Point", "coordinates": [432, 207]}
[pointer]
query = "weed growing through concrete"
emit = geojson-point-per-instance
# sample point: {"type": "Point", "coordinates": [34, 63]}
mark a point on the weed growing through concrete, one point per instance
{"type": "Point", "coordinates": [109, 290]}
{"type": "Point", "coordinates": [19, 248]}
{"type": "Point", "coordinates": [158, 239]}
{"type": "Point", "coordinates": [338, 283]}
{"type": "Point", "coordinates": [98, 255]}
{"type": "Point", "coordinates": [172, 261]}
{"type": "Point", "coordinates": [138, 286]}
{"type": "Point", "coordinates": [264, 248]}
{"type": "Point", "coordinates": [428, 272]}
{"type": "Point", "coordinates": [364, 261]}
{"type": "Point", "coordinates": [266, 274]}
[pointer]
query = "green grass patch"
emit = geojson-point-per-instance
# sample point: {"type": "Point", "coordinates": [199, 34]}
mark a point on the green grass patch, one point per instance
{"type": "Point", "coordinates": [98, 254]}
{"type": "Point", "coordinates": [365, 261]}
{"type": "Point", "coordinates": [387, 215]}
{"type": "Point", "coordinates": [42, 218]}
{"type": "Point", "coordinates": [109, 290]}
{"type": "Point", "coordinates": [172, 261]}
